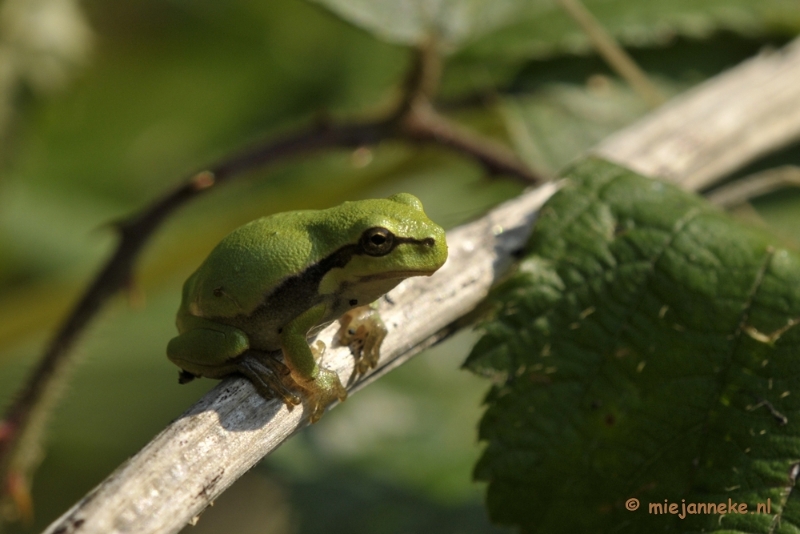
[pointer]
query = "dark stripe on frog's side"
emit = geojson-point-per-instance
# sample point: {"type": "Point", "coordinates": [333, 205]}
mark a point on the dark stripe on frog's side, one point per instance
{"type": "Point", "coordinates": [304, 287]}
{"type": "Point", "coordinates": [301, 292]}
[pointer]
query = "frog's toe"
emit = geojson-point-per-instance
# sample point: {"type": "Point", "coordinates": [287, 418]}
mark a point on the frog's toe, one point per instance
{"type": "Point", "coordinates": [329, 381]}
{"type": "Point", "coordinates": [371, 353]}
{"type": "Point", "coordinates": [317, 410]}
{"type": "Point", "coordinates": [323, 390]}
{"type": "Point", "coordinates": [366, 350]}
{"type": "Point", "coordinates": [363, 331]}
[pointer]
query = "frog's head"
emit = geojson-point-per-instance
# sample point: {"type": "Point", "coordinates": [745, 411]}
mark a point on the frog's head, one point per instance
{"type": "Point", "coordinates": [388, 240]}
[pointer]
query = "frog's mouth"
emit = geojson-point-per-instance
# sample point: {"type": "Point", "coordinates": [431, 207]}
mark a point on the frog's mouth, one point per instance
{"type": "Point", "coordinates": [398, 274]}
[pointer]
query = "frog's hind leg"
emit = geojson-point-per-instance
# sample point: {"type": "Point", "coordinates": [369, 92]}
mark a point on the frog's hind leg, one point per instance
{"type": "Point", "coordinates": [184, 376]}
{"type": "Point", "coordinates": [206, 350]}
{"type": "Point", "coordinates": [216, 350]}
{"type": "Point", "coordinates": [267, 375]}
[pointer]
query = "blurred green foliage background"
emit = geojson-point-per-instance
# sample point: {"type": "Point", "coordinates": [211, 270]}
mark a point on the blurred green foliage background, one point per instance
{"type": "Point", "coordinates": [110, 104]}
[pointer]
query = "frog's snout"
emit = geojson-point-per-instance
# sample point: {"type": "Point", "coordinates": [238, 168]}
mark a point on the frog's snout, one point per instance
{"type": "Point", "coordinates": [435, 250]}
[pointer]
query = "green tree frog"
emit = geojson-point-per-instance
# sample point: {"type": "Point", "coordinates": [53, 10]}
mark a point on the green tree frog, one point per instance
{"type": "Point", "coordinates": [277, 281]}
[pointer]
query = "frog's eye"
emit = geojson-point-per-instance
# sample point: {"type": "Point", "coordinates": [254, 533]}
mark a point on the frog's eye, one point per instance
{"type": "Point", "coordinates": [377, 241]}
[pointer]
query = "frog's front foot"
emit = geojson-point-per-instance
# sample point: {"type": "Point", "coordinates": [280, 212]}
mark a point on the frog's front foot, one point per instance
{"type": "Point", "coordinates": [363, 330]}
{"type": "Point", "coordinates": [267, 375]}
{"type": "Point", "coordinates": [321, 391]}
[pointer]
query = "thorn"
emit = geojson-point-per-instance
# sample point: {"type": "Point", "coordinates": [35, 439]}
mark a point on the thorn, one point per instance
{"type": "Point", "coordinates": [6, 430]}
{"type": "Point", "coordinates": [20, 495]}
{"type": "Point", "coordinates": [203, 180]}
{"type": "Point", "coordinates": [136, 297]}
{"type": "Point", "coordinates": [361, 157]}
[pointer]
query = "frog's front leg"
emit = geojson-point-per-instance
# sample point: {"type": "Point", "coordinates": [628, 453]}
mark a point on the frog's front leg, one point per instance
{"type": "Point", "coordinates": [323, 385]}
{"type": "Point", "coordinates": [215, 350]}
{"type": "Point", "coordinates": [363, 330]}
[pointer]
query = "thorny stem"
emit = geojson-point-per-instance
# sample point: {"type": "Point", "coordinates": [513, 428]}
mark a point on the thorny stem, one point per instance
{"type": "Point", "coordinates": [414, 120]}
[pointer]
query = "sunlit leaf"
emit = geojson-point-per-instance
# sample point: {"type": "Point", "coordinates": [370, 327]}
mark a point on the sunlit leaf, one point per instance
{"type": "Point", "coordinates": [553, 126]}
{"type": "Point", "coordinates": [537, 28]}
{"type": "Point", "coordinates": [409, 22]}
{"type": "Point", "coordinates": [543, 28]}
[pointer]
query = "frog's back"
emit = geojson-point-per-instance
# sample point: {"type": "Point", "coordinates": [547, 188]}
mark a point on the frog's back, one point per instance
{"type": "Point", "coordinates": [248, 263]}
{"type": "Point", "coordinates": [255, 259]}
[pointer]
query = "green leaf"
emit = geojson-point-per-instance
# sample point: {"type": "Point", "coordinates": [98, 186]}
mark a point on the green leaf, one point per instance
{"type": "Point", "coordinates": [410, 22]}
{"type": "Point", "coordinates": [523, 29]}
{"type": "Point", "coordinates": [542, 28]}
{"type": "Point", "coordinates": [646, 348]}
{"type": "Point", "coordinates": [555, 125]}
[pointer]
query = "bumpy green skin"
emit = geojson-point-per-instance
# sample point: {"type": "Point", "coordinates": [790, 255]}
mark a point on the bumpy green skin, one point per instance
{"type": "Point", "coordinates": [274, 282]}
{"type": "Point", "coordinates": [647, 347]}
